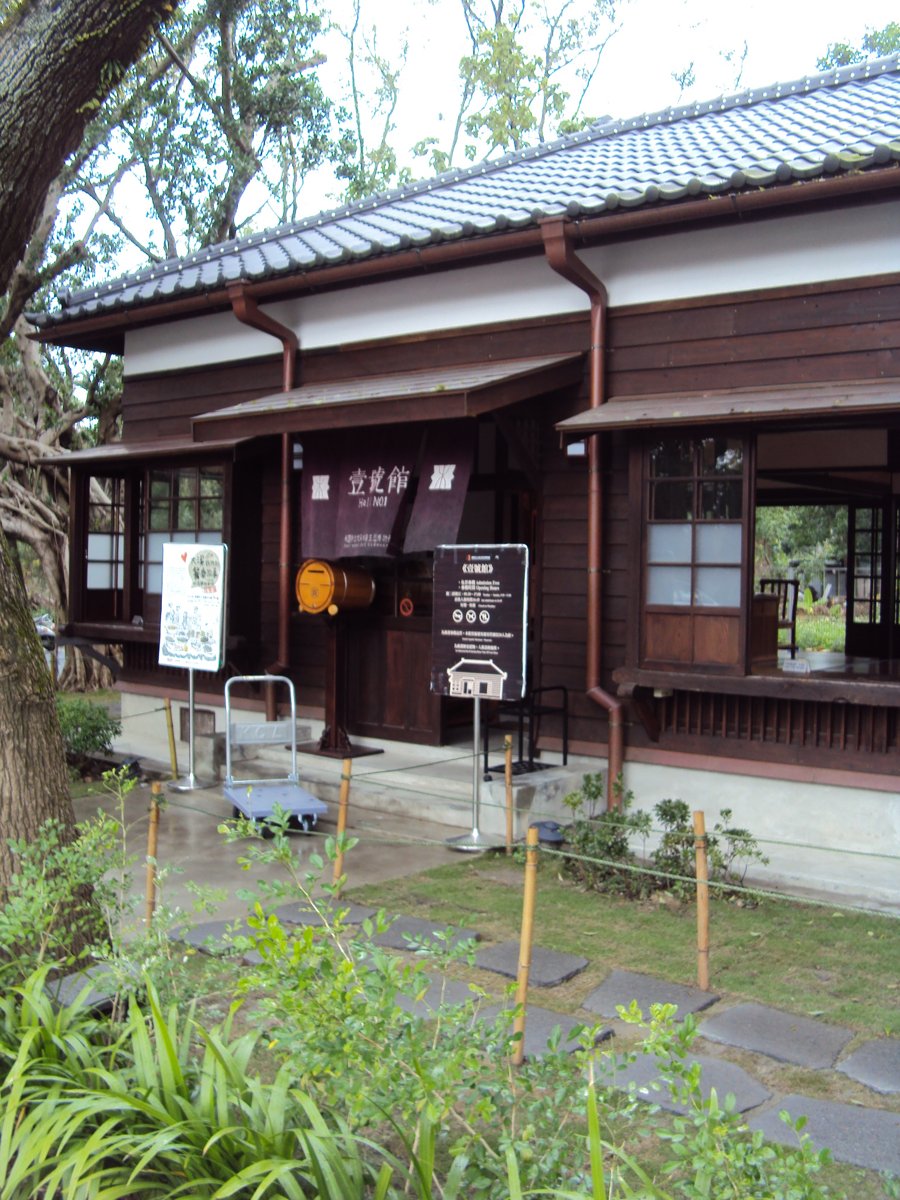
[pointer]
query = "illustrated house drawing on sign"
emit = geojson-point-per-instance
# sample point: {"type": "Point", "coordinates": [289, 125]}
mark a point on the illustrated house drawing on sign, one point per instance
{"type": "Point", "coordinates": [473, 677]}
{"type": "Point", "coordinates": [629, 342]}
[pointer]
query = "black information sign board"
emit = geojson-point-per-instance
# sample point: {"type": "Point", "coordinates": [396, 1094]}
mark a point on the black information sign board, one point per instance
{"type": "Point", "coordinates": [479, 621]}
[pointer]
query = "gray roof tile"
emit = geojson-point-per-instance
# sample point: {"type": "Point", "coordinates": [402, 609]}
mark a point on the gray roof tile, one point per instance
{"type": "Point", "coordinates": [843, 120]}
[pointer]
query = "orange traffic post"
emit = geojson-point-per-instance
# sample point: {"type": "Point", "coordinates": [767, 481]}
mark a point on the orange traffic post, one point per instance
{"type": "Point", "coordinates": [525, 942]}
{"type": "Point", "coordinates": [702, 873]}
{"type": "Point", "coordinates": [343, 804]}
{"type": "Point", "coordinates": [152, 842]}
{"type": "Point", "coordinates": [507, 774]}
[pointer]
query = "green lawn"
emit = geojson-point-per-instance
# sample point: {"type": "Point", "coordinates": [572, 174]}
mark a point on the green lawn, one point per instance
{"type": "Point", "coordinates": [838, 965]}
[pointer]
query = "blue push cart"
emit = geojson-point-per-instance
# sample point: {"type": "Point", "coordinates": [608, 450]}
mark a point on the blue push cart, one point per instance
{"type": "Point", "coordinates": [259, 798]}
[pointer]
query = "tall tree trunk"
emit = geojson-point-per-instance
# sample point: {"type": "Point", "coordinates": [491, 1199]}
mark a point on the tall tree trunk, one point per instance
{"type": "Point", "coordinates": [34, 782]}
{"type": "Point", "coordinates": [58, 59]}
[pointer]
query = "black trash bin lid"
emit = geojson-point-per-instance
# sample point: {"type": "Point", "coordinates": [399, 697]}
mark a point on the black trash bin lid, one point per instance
{"type": "Point", "coordinates": [549, 832]}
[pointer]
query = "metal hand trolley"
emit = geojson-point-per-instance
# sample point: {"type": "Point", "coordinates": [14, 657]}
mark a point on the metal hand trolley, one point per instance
{"type": "Point", "coordinates": [258, 798]}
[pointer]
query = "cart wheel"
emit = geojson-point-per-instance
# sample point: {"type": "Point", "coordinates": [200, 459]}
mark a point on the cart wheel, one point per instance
{"type": "Point", "coordinates": [307, 823]}
{"type": "Point", "coordinates": [236, 813]}
{"type": "Point", "coordinates": [266, 830]}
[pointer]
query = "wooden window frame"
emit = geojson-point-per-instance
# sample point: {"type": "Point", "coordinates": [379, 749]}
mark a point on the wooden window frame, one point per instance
{"type": "Point", "coordinates": [690, 637]}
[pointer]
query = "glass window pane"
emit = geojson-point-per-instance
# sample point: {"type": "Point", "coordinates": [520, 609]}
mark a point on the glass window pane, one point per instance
{"type": "Point", "coordinates": [211, 514]}
{"type": "Point", "coordinates": [99, 547]}
{"type": "Point", "coordinates": [211, 482]}
{"type": "Point", "coordinates": [669, 585]}
{"type": "Point", "coordinates": [154, 579]}
{"type": "Point", "coordinates": [719, 543]}
{"type": "Point", "coordinates": [721, 456]}
{"type": "Point", "coordinates": [155, 543]}
{"type": "Point", "coordinates": [160, 485]}
{"type": "Point", "coordinates": [669, 543]}
{"type": "Point", "coordinates": [671, 501]}
{"type": "Point", "coordinates": [717, 587]}
{"type": "Point", "coordinates": [722, 500]}
{"type": "Point", "coordinates": [187, 483]}
{"type": "Point", "coordinates": [210, 539]}
{"type": "Point", "coordinates": [187, 514]}
{"type": "Point", "coordinates": [673, 457]}
{"type": "Point", "coordinates": [159, 516]}
{"type": "Point", "coordinates": [99, 575]}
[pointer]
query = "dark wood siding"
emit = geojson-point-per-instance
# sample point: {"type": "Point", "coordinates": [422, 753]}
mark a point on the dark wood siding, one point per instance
{"type": "Point", "coordinates": [824, 333]}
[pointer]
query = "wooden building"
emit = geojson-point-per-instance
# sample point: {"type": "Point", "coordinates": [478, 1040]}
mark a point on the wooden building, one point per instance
{"type": "Point", "coordinates": [623, 343]}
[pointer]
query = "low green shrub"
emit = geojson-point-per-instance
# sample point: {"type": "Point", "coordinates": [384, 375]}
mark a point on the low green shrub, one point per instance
{"type": "Point", "coordinates": [603, 854]}
{"type": "Point", "coordinates": [87, 728]}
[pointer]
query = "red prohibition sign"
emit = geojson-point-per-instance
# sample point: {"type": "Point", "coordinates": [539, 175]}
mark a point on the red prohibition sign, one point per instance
{"type": "Point", "coordinates": [406, 607]}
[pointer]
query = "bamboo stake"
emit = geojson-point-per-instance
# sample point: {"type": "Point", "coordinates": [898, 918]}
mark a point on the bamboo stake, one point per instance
{"type": "Point", "coordinates": [507, 748]}
{"type": "Point", "coordinates": [343, 804]}
{"type": "Point", "coordinates": [527, 936]}
{"type": "Point", "coordinates": [173, 754]}
{"type": "Point", "coordinates": [702, 872]}
{"type": "Point", "coordinates": [152, 843]}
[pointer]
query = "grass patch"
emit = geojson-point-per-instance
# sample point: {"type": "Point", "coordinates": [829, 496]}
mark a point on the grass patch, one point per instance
{"type": "Point", "coordinates": [816, 961]}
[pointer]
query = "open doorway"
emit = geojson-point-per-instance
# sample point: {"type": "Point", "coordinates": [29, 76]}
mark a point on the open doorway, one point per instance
{"type": "Point", "coordinates": [807, 544]}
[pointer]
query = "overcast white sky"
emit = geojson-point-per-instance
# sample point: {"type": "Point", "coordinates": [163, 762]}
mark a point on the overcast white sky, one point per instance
{"type": "Point", "coordinates": [784, 39]}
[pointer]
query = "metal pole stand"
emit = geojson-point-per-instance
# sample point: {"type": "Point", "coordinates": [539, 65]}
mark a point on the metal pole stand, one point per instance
{"type": "Point", "coordinates": [476, 841]}
{"type": "Point", "coordinates": [189, 782]}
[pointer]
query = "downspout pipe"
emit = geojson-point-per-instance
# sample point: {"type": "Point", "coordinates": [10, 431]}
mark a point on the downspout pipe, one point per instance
{"type": "Point", "coordinates": [562, 259]}
{"type": "Point", "coordinates": [247, 311]}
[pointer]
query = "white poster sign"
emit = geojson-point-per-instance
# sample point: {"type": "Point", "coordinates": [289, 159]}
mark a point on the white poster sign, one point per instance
{"type": "Point", "coordinates": [193, 607]}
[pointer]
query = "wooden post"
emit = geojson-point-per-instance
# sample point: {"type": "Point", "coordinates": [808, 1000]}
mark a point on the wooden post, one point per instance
{"type": "Point", "coordinates": [702, 873]}
{"type": "Point", "coordinates": [152, 842]}
{"type": "Point", "coordinates": [173, 755]}
{"type": "Point", "coordinates": [507, 774]}
{"type": "Point", "coordinates": [527, 936]}
{"type": "Point", "coordinates": [343, 803]}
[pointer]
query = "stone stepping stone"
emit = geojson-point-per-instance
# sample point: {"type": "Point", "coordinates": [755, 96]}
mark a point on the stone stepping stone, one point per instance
{"type": "Point", "coordinates": [621, 987]}
{"type": "Point", "coordinates": [780, 1035]}
{"type": "Point", "coordinates": [447, 993]}
{"type": "Point", "coordinates": [100, 982]}
{"type": "Point", "coordinates": [876, 1064]}
{"type": "Point", "coordinates": [644, 1073]}
{"type": "Point", "coordinates": [540, 1027]}
{"type": "Point", "coordinates": [865, 1137]}
{"type": "Point", "coordinates": [405, 932]}
{"type": "Point", "coordinates": [548, 967]}
{"type": "Point", "coordinates": [298, 913]}
{"type": "Point", "coordinates": [210, 937]}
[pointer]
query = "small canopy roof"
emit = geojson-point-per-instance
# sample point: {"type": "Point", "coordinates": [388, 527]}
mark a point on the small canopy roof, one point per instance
{"type": "Point", "coordinates": [116, 454]}
{"type": "Point", "coordinates": [737, 407]}
{"type": "Point", "coordinates": [438, 393]}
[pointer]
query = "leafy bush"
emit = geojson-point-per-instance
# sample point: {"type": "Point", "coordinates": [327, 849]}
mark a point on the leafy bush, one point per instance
{"type": "Point", "coordinates": [86, 728]}
{"type": "Point", "coordinates": [602, 846]}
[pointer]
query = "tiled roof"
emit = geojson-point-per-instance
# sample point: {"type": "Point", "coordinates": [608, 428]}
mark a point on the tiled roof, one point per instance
{"type": "Point", "coordinates": [841, 121]}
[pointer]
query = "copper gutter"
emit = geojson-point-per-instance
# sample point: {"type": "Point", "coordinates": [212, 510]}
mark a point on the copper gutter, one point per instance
{"type": "Point", "coordinates": [563, 260]}
{"type": "Point", "coordinates": [584, 231]}
{"type": "Point", "coordinates": [245, 309]}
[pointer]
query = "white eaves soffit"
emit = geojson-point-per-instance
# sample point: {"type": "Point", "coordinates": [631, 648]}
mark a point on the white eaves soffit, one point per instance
{"type": "Point", "coordinates": [777, 252]}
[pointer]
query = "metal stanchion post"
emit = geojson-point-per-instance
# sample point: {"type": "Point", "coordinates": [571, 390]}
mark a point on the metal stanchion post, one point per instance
{"type": "Point", "coordinates": [476, 840]}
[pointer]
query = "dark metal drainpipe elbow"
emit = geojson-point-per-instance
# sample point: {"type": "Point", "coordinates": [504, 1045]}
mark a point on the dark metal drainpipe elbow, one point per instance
{"type": "Point", "coordinates": [561, 257]}
{"type": "Point", "coordinates": [247, 311]}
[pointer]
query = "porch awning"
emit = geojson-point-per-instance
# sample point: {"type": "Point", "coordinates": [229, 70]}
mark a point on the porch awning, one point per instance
{"type": "Point", "coordinates": [738, 407]}
{"type": "Point", "coordinates": [117, 453]}
{"type": "Point", "coordinates": [439, 393]}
